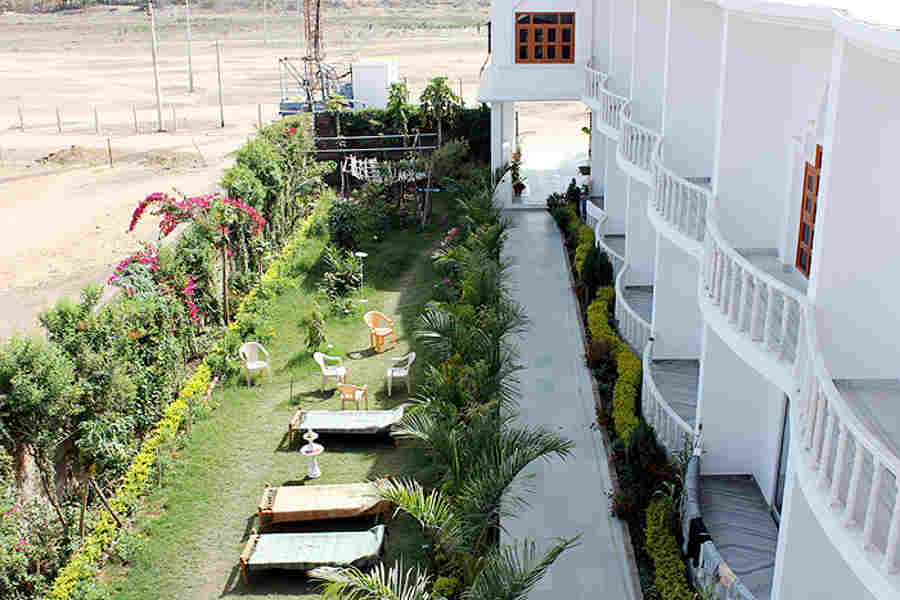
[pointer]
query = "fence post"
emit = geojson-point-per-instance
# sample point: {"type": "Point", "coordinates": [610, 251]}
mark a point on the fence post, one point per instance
{"type": "Point", "coordinates": [134, 114]}
{"type": "Point", "coordinates": [21, 119]}
{"type": "Point", "coordinates": [58, 121]}
{"type": "Point", "coordinates": [219, 72]}
{"type": "Point", "coordinates": [96, 121]}
{"type": "Point", "coordinates": [259, 114]}
{"type": "Point", "coordinates": [109, 150]}
{"type": "Point", "coordinates": [174, 119]}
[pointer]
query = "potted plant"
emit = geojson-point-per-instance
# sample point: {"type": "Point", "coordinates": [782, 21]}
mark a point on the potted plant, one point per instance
{"type": "Point", "coordinates": [517, 155]}
{"type": "Point", "coordinates": [585, 169]}
{"type": "Point", "coordinates": [518, 183]}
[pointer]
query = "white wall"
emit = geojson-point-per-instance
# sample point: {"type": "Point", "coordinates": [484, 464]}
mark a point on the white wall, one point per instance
{"type": "Point", "coordinates": [622, 39]}
{"type": "Point", "coordinates": [616, 203]}
{"type": "Point", "coordinates": [768, 89]}
{"type": "Point", "coordinates": [601, 34]}
{"type": "Point", "coordinates": [503, 129]}
{"type": "Point", "coordinates": [649, 60]}
{"type": "Point", "coordinates": [741, 414]}
{"type": "Point", "coordinates": [640, 245]}
{"type": "Point", "coordinates": [677, 322]}
{"type": "Point", "coordinates": [598, 159]}
{"type": "Point", "coordinates": [692, 82]}
{"type": "Point", "coordinates": [855, 278]}
{"type": "Point", "coordinates": [812, 568]}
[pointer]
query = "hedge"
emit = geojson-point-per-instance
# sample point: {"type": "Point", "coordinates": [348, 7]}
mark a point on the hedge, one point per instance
{"type": "Point", "coordinates": [628, 364]}
{"type": "Point", "coordinates": [102, 534]}
{"type": "Point", "coordinates": [671, 583]}
{"type": "Point", "coordinates": [586, 241]}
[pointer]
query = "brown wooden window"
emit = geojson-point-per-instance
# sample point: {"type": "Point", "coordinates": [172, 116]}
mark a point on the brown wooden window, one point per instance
{"type": "Point", "coordinates": [545, 37]}
{"type": "Point", "coordinates": [811, 175]}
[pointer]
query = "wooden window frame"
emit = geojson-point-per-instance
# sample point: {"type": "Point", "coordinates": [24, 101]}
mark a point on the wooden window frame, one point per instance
{"type": "Point", "coordinates": [808, 204]}
{"type": "Point", "coordinates": [545, 31]}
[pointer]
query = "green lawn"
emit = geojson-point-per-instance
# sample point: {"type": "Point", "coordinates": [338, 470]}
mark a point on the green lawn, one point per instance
{"type": "Point", "coordinates": [198, 521]}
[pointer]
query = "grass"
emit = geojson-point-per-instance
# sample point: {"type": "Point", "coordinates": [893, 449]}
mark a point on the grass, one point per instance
{"type": "Point", "coordinates": [198, 521]}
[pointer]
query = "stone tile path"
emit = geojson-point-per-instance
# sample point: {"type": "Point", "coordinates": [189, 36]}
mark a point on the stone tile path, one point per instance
{"type": "Point", "coordinates": [569, 497]}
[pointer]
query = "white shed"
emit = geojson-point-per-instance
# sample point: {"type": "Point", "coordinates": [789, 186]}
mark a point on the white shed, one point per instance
{"type": "Point", "coordinates": [372, 78]}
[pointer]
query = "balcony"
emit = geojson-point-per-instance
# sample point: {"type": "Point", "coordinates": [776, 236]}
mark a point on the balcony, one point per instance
{"type": "Point", "coordinates": [847, 447]}
{"type": "Point", "coordinates": [634, 305]}
{"type": "Point", "coordinates": [677, 208]}
{"type": "Point", "coordinates": [756, 308]}
{"type": "Point", "coordinates": [606, 105]}
{"type": "Point", "coordinates": [613, 245]}
{"type": "Point", "coordinates": [637, 149]}
{"type": "Point", "coordinates": [669, 399]}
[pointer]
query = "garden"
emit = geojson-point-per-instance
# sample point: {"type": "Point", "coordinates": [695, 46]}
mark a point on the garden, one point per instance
{"type": "Point", "coordinates": [648, 488]}
{"type": "Point", "coordinates": [134, 451]}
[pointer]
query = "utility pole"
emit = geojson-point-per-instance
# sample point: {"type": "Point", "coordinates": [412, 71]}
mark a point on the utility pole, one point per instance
{"type": "Point", "coordinates": [159, 115]}
{"type": "Point", "coordinates": [188, 34]}
{"type": "Point", "coordinates": [265, 22]}
{"type": "Point", "coordinates": [219, 72]}
{"type": "Point", "coordinates": [298, 24]}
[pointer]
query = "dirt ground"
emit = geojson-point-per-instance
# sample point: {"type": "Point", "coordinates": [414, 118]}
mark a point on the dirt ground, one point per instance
{"type": "Point", "coordinates": [65, 209]}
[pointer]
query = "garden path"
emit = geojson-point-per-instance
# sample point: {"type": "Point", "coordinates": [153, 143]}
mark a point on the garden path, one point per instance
{"type": "Point", "coordinates": [570, 497]}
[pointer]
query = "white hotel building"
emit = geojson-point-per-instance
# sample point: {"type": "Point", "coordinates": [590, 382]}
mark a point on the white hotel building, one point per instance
{"type": "Point", "coordinates": [742, 154]}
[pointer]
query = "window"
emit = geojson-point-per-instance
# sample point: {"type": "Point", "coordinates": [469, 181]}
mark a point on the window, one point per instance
{"type": "Point", "coordinates": [544, 37]}
{"type": "Point", "coordinates": [808, 213]}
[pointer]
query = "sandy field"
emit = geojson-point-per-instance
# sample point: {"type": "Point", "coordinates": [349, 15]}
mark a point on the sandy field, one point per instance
{"type": "Point", "coordinates": [65, 209]}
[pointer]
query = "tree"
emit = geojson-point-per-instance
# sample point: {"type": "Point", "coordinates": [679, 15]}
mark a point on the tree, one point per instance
{"type": "Point", "coordinates": [439, 103]}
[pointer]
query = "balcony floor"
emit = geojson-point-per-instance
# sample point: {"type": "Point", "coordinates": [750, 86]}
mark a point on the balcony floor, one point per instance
{"type": "Point", "coordinates": [876, 403]}
{"type": "Point", "coordinates": [677, 381]}
{"type": "Point", "coordinates": [616, 243]}
{"type": "Point", "coordinates": [742, 528]}
{"type": "Point", "coordinates": [767, 260]}
{"type": "Point", "coordinates": [640, 299]}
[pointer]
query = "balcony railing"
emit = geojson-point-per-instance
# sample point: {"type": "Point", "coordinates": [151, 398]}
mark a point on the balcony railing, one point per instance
{"type": "Point", "coordinates": [638, 146]}
{"type": "Point", "coordinates": [607, 106]}
{"type": "Point", "coordinates": [680, 204]}
{"type": "Point", "coordinates": [849, 468]}
{"type": "Point", "coordinates": [634, 328]}
{"type": "Point", "coordinates": [753, 303]}
{"type": "Point", "coordinates": [671, 430]}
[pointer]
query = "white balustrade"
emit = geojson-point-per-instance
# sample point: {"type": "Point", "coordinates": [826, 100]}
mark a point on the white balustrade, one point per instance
{"type": "Point", "coordinates": [632, 326]}
{"type": "Point", "coordinates": [671, 430]}
{"type": "Point", "coordinates": [679, 202]}
{"type": "Point", "coordinates": [852, 485]}
{"type": "Point", "coordinates": [755, 304]}
{"type": "Point", "coordinates": [607, 105]}
{"type": "Point", "coordinates": [638, 145]}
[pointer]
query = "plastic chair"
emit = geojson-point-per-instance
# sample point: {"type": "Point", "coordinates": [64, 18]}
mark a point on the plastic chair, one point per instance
{"type": "Point", "coordinates": [337, 371]}
{"type": "Point", "coordinates": [402, 369]}
{"type": "Point", "coordinates": [353, 394]}
{"type": "Point", "coordinates": [380, 326]}
{"type": "Point", "coordinates": [251, 360]}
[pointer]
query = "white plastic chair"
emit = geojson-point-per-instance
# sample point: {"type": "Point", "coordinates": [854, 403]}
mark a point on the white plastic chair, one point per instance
{"type": "Point", "coordinates": [251, 360]}
{"type": "Point", "coordinates": [402, 369]}
{"type": "Point", "coordinates": [337, 371]}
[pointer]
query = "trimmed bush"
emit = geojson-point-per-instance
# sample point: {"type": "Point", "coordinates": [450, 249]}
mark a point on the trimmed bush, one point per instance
{"type": "Point", "coordinates": [586, 243]}
{"type": "Point", "coordinates": [662, 546]}
{"type": "Point", "coordinates": [628, 364]}
{"type": "Point", "coordinates": [597, 270]}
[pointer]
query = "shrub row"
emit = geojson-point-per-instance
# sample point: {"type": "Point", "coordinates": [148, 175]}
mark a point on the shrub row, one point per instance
{"type": "Point", "coordinates": [628, 364]}
{"type": "Point", "coordinates": [586, 241]}
{"type": "Point", "coordinates": [82, 565]}
{"type": "Point", "coordinates": [671, 583]}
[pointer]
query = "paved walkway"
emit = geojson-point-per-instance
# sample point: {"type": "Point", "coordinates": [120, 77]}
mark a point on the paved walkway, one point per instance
{"type": "Point", "coordinates": [569, 497]}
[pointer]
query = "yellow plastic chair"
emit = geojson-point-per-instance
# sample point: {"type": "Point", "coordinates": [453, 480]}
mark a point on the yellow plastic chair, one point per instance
{"type": "Point", "coordinates": [380, 326]}
{"type": "Point", "coordinates": [353, 394]}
